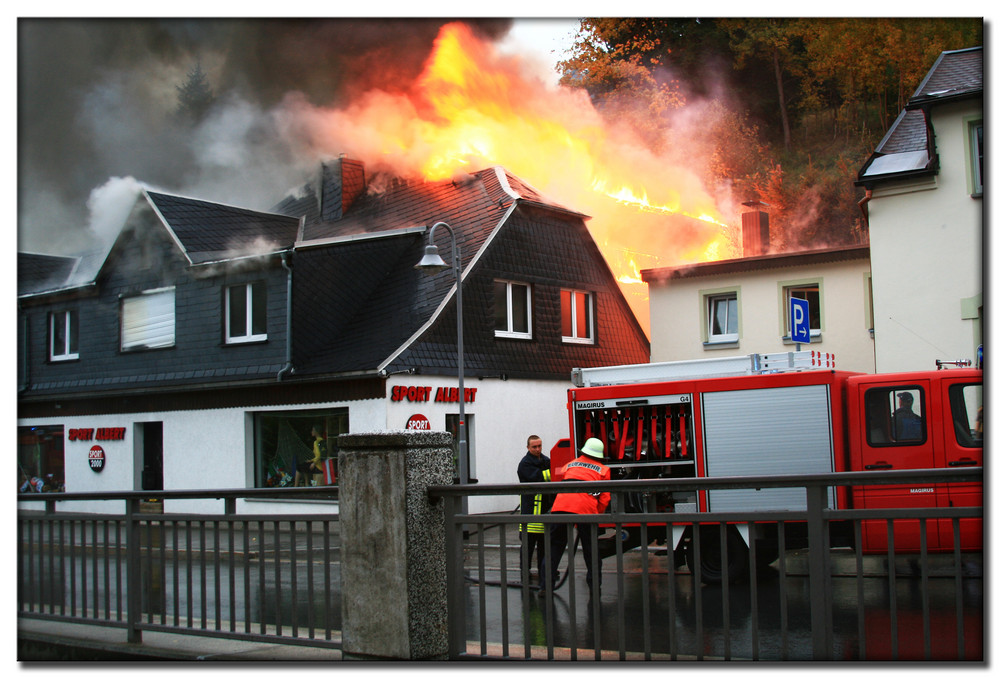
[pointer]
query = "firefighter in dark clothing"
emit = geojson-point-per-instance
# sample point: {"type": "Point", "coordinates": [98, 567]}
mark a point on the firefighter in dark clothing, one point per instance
{"type": "Point", "coordinates": [587, 466]}
{"type": "Point", "coordinates": [534, 468]}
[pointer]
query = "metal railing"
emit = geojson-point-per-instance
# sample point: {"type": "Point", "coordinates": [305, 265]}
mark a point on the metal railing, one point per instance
{"type": "Point", "coordinates": [272, 578]}
{"type": "Point", "coordinates": [276, 577]}
{"type": "Point", "coordinates": [815, 603]}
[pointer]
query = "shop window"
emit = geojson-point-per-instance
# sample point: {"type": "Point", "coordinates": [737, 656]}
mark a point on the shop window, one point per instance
{"type": "Point", "coordinates": [577, 309]}
{"type": "Point", "coordinates": [246, 313]}
{"type": "Point", "coordinates": [63, 331]}
{"type": "Point", "coordinates": [282, 440]}
{"type": "Point", "coordinates": [894, 416]}
{"type": "Point", "coordinates": [40, 459]}
{"type": "Point", "coordinates": [723, 318]}
{"type": "Point", "coordinates": [512, 309]}
{"type": "Point", "coordinates": [148, 320]}
{"type": "Point", "coordinates": [811, 293]}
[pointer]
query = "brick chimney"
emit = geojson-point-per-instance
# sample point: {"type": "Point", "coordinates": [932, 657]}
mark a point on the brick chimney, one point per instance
{"type": "Point", "coordinates": [756, 234]}
{"type": "Point", "coordinates": [343, 182]}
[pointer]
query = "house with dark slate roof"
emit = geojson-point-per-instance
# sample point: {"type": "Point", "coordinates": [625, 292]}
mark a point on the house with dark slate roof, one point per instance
{"type": "Point", "coordinates": [924, 205]}
{"type": "Point", "coordinates": [211, 339]}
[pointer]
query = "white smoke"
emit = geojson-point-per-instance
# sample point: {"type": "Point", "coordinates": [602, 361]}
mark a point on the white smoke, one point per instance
{"type": "Point", "coordinates": [110, 205]}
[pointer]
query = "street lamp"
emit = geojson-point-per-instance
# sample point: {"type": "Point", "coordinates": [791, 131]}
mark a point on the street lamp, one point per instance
{"type": "Point", "coordinates": [432, 263]}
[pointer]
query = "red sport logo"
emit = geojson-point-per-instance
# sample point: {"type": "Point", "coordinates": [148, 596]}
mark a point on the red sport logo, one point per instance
{"type": "Point", "coordinates": [96, 458]}
{"type": "Point", "coordinates": [418, 422]}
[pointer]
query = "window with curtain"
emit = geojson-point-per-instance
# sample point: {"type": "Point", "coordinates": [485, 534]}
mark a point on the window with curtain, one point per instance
{"type": "Point", "coordinates": [577, 310]}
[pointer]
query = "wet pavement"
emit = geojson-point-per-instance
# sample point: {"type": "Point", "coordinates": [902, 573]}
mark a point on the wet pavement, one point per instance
{"type": "Point", "coordinates": [656, 615]}
{"type": "Point", "coordinates": [662, 616]}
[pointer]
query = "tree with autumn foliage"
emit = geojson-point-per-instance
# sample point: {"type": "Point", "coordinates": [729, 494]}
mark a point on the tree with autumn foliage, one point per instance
{"type": "Point", "coordinates": [797, 104]}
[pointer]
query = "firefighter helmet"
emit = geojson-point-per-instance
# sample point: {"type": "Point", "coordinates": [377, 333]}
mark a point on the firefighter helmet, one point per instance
{"type": "Point", "coordinates": [593, 448]}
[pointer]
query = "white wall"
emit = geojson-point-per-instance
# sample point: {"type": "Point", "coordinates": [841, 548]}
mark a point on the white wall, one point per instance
{"type": "Point", "coordinates": [213, 449]}
{"type": "Point", "coordinates": [926, 248]}
{"type": "Point", "coordinates": [118, 470]}
{"type": "Point", "coordinates": [677, 316]}
{"type": "Point", "coordinates": [504, 414]}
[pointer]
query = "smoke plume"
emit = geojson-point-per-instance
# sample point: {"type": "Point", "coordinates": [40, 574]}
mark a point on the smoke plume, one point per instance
{"type": "Point", "coordinates": [97, 99]}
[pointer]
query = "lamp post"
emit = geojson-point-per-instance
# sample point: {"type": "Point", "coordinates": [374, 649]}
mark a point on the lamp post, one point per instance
{"type": "Point", "coordinates": [433, 263]}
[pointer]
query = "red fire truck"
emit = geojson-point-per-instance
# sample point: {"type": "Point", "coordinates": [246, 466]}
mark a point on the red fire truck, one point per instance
{"type": "Point", "coordinates": [783, 413]}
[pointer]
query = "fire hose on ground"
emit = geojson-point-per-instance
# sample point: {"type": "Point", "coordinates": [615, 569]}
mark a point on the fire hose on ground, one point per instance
{"type": "Point", "coordinates": [517, 585]}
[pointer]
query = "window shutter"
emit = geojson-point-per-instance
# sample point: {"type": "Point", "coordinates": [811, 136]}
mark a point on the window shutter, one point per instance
{"type": "Point", "coordinates": [148, 320]}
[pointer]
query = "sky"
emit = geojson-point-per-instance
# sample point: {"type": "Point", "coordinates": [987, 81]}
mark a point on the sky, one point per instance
{"type": "Point", "coordinates": [548, 38]}
{"type": "Point", "coordinates": [89, 92]}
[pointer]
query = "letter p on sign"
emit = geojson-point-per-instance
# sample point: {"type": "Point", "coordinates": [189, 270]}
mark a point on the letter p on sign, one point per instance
{"type": "Point", "coordinates": [799, 309]}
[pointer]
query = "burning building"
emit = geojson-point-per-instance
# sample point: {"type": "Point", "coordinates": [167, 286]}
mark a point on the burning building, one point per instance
{"type": "Point", "coordinates": [212, 338]}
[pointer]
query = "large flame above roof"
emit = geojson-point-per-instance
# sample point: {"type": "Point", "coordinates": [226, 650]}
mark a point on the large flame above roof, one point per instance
{"type": "Point", "coordinates": [473, 107]}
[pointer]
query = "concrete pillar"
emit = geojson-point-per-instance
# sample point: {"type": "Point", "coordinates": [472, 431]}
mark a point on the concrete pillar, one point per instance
{"type": "Point", "coordinates": [393, 544]}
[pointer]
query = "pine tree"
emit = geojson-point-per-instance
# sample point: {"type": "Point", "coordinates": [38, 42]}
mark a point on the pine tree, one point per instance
{"type": "Point", "coordinates": [195, 96]}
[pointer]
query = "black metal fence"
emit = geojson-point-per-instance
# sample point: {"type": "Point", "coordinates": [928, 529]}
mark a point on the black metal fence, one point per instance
{"type": "Point", "coordinates": [272, 578]}
{"type": "Point", "coordinates": [761, 599]}
{"type": "Point", "coordinates": [737, 585]}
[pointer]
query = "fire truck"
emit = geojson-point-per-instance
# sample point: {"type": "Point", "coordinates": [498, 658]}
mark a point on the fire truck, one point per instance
{"type": "Point", "coordinates": [782, 413]}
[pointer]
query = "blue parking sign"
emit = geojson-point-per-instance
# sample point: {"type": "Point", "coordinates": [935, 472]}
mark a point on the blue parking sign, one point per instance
{"type": "Point", "coordinates": [799, 310]}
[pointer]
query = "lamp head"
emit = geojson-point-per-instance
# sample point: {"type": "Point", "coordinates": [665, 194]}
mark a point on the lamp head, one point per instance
{"type": "Point", "coordinates": [431, 262]}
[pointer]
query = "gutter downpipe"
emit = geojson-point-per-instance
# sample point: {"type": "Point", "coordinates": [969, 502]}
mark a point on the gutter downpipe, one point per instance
{"type": "Point", "coordinates": [287, 369]}
{"type": "Point", "coordinates": [25, 381]}
{"type": "Point", "coordinates": [863, 205]}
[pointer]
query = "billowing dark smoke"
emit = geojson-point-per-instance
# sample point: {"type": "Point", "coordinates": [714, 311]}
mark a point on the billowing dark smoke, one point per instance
{"type": "Point", "coordinates": [97, 105]}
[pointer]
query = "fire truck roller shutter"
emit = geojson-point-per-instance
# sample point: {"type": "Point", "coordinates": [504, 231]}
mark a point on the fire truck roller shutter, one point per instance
{"type": "Point", "coordinates": [750, 432]}
{"type": "Point", "coordinates": [771, 431]}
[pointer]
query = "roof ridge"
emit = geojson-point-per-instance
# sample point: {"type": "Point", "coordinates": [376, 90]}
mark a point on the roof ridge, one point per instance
{"type": "Point", "coordinates": [217, 203]}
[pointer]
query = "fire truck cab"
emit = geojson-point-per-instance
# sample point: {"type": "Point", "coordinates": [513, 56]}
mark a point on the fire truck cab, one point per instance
{"type": "Point", "coordinates": [774, 414]}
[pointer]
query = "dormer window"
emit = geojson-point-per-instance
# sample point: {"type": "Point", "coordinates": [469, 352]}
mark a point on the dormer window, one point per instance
{"type": "Point", "coordinates": [246, 313]}
{"type": "Point", "coordinates": [577, 316]}
{"type": "Point", "coordinates": [511, 309]}
{"type": "Point", "coordinates": [63, 330]}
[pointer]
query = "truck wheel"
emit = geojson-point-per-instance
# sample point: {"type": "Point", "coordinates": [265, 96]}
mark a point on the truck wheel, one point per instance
{"type": "Point", "coordinates": [737, 554]}
{"type": "Point", "coordinates": [766, 552]}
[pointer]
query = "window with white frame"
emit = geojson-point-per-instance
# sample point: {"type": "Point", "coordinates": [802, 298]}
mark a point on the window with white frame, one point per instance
{"type": "Point", "coordinates": [511, 309]}
{"type": "Point", "coordinates": [63, 330]}
{"type": "Point", "coordinates": [809, 292]}
{"type": "Point", "coordinates": [148, 319]}
{"type": "Point", "coordinates": [246, 313]}
{"type": "Point", "coordinates": [723, 318]}
{"type": "Point", "coordinates": [577, 315]}
{"type": "Point", "coordinates": [976, 152]}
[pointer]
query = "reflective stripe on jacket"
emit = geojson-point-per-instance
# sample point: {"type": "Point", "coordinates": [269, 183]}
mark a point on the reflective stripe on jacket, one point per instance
{"type": "Point", "coordinates": [534, 470]}
{"type": "Point", "coordinates": [583, 468]}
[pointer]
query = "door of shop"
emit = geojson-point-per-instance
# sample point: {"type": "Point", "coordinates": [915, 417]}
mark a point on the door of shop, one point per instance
{"type": "Point", "coordinates": [149, 446]}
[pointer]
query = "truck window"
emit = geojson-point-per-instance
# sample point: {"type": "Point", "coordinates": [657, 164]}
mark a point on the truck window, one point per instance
{"type": "Point", "coordinates": [967, 413]}
{"type": "Point", "coordinates": [894, 416]}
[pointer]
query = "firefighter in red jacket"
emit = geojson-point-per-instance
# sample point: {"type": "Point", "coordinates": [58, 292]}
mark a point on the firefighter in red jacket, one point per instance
{"type": "Point", "coordinates": [587, 466]}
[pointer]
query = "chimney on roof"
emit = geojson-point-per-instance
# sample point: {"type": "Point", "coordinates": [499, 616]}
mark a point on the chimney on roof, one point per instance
{"type": "Point", "coordinates": [343, 182]}
{"type": "Point", "coordinates": [756, 232]}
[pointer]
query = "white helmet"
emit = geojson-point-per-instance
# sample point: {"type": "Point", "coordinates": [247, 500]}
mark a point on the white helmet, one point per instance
{"type": "Point", "coordinates": [593, 448]}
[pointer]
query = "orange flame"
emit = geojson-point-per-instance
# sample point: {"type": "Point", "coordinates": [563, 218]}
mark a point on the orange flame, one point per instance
{"type": "Point", "coordinates": [473, 108]}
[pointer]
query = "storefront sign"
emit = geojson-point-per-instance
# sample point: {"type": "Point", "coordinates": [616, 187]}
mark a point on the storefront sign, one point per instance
{"type": "Point", "coordinates": [96, 458]}
{"type": "Point", "coordinates": [97, 434]}
{"type": "Point", "coordinates": [422, 394]}
{"type": "Point", "coordinates": [418, 422]}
